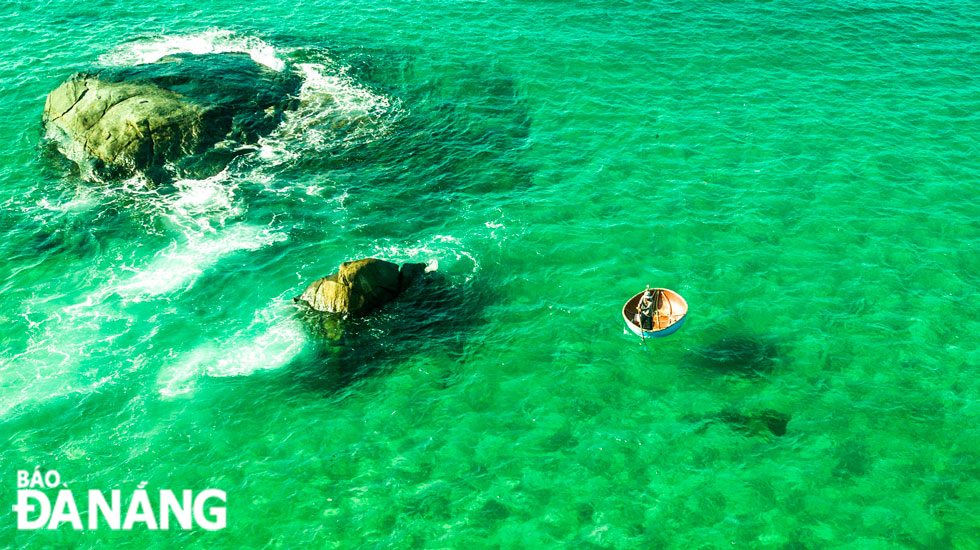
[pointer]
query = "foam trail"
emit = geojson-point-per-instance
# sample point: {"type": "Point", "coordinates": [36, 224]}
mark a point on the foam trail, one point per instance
{"type": "Point", "coordinates": [82, 201]}
{"type": "Point", "coordinates": [61, 357]}
{"type": "Point", "coordinates": [331, 91]}
{"type": "Point", "coordinates": [177, 267]}
{"type": "Point", "coordinates": [66, 341]}
{"type": "Point", "coordinates": [271, 341]}
{"type": "Point", "coordinates": [197, 214]}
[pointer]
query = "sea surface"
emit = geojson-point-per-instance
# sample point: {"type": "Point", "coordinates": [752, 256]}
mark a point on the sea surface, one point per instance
{"type": "Point", "coordinates": [805, 174]}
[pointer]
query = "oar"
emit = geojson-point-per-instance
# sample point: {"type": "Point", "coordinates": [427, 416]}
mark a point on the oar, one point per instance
{"type": "Point", "coordinates": [639, 317]}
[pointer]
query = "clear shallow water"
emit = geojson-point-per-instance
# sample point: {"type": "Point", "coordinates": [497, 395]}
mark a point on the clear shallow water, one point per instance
{"type": "Point", "coordinates": [804, 175]}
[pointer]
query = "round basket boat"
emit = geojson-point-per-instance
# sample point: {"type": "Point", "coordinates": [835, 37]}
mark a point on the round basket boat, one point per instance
{"type": "Point", "coordinates": [671, 310]}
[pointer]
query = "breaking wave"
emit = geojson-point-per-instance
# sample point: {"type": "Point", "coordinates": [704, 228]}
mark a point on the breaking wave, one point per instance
{"type": "Point", "coordinates": [334, 108]}
{"type": "Point", "coordinates": [148, 50]}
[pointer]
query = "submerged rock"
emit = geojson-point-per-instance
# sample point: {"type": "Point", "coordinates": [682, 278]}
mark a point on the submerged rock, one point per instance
{"type": "Point", "coordinates": [184, 115]}
{"type": "Point", "coordinates": [409, 274]}
{"type": "Point", "coordinates": [359, 287]}
{"type": "Point", "coordinates": [737, 355]}
{"type": "Point", "coordinates": [494, 511]}
{"type": "Point", "coordinates": [756, 422]}
{"type": "Point", "coordinates": [751, 422]}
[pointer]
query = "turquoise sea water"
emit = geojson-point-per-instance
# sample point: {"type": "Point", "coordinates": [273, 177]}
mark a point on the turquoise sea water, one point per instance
{"type": "Point", "coordinates": [805, 174]}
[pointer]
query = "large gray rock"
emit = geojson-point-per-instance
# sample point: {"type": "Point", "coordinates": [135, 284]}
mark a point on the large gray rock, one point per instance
{"type": "Point", "coordinates": [359, 287]}
{"type": "Point", "coordinates": [185, 115]}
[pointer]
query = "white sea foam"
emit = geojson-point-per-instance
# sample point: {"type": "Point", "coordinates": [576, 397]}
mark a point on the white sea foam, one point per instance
{"type": "Point", "coordinates": [84, 199]}
{"type": "Point", "coordinates": [201, 206]}
{"type": "Point", "coordinates": [329, 94]}
{"type": "Point", "coordinates": [332, 102]}
{"type": "Point", "coordinates": [148, 50]}
{"type": "Point", "coordinates": [178, 266]}
{"type": "Point", "coordinates": [196, 197]}
{"type": "Point", "coordinates": [333, 108]}
{"type": "Point", "coordinates": [57, 359]}
{"type": "Point", "coordinates": [199, 216]}
{"type": "Point", "coordinates": [439, 252]}
{"type": "Point", "coordinates": [273, 338]}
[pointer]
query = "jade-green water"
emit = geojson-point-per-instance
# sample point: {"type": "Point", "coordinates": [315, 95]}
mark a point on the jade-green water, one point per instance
{"type": "Point", "coordinates": [804, 174]}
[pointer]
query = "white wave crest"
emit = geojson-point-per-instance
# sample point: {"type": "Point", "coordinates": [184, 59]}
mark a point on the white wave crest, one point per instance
{"type": "Point", "coordinates": [439, 252]}
{"type": "Point", "coordinates": [148, 50]}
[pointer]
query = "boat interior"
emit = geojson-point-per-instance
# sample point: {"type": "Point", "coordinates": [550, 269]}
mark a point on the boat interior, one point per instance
{"type": "Point", "coordinates": [670, 309]}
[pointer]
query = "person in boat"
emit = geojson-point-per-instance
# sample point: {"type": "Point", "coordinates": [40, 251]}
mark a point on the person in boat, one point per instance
{"type": "Point", "coordinates": [645, 310]}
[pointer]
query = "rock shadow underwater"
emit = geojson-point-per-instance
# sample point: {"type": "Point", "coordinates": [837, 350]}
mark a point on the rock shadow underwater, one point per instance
{"type": "Point", "coordinates": [433, 314]}
{"type": "Point", "coordinates": [749, 356]}
{"type": "Point", "coordinates": [450, 131]}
